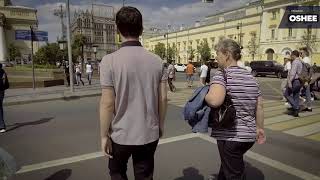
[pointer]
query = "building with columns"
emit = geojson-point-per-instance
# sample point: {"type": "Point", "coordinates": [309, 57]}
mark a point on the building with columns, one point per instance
{"type": "Point", "coordinates": [254, 26]}
{"type": "Point", "coordinates": [14, 18]}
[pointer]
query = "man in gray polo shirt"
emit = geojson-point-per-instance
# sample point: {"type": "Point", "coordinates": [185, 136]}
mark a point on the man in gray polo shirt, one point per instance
{"type": "Point", "coordinates": [133, 103]}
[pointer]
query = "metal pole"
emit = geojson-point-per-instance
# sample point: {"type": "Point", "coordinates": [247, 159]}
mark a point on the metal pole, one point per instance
{"type": "Point", "coordinates": [33, 76]}
{"type": "Point", "coordinates": [69, 46]}
{"type": "Point", "coordinates": [176, 48]}
{"type": "Point", "coordinates": [167, 47]}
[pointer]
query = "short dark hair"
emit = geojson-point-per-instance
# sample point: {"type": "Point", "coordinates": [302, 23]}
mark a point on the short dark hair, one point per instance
{"type": "Point", "coordinates": [129, 22]}
{"type": "Point", "coordinates": [305, 49]}
{"type": "Point", "coordinates": [295, 53]}
{"type": "Point", "coordinates": [0, 65]}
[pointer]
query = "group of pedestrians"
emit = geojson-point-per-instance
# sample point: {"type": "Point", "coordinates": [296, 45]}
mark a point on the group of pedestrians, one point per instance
{"type": "Point", "coordinates": [133, 104]}
{"type": "Point", "coordinates": [78, 73]}
{"type": "Point", "coordinates": [298, 81]}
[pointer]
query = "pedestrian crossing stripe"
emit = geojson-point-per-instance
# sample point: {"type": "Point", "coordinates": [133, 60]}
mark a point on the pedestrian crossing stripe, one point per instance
{"type": "Point", "coordinates": [294, 123]}
{"type": "Point", "coordinates": [276, 118]}
{"type": "Point", "coordinates": [315, 136]}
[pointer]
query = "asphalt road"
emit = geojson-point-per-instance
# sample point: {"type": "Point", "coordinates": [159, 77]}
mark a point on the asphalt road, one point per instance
{"type": "Point", "coordinates": [59, 140]}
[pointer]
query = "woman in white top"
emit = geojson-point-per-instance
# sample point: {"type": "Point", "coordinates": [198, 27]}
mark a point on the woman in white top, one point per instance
{"type": "Point", "coordinates": [78, 74]}
{"type": "Point", "coordinates": [203, 74]}
{"type": "Point", "coordinates": [89, 71]}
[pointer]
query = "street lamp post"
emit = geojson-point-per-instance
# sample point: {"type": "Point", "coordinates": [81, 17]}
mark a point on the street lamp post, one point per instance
{"type": "Point", "coordinates": [69, 46]}
{"type": "Point", "coordinates": [62, 45]}
{"type": "Point", "coordinates": [32, 59]}
{"type": "Point", "coordinates": [95, 52]}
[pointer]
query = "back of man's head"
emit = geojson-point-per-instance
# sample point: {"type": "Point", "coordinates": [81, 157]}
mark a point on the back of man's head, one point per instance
{"type": "Point", "coordinates": [129, 22]}
{"type": "Point", "coordinates": [295, 54]}
{"type": "Point", "coordinates": [0, 66]}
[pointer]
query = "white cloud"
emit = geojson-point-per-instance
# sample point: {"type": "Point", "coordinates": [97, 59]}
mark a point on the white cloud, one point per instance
{"type": "Point", "coordinates": [153, 16]}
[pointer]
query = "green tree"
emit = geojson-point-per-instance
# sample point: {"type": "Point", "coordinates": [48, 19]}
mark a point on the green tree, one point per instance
{"type": "Point", "coordinates": [171, 52]}
{"type": "Point", "coordinates": [191, 53]}
{"type": "Point", "coordinates": [309, 41]}
{"type": "Point", "coordinates": [204, 51]}
{"type": "Point", "coordinates": [79, 41]}
{"type": "Point", "coordinates": [13, 52]}
{"type": "Point", "coordinates": [160, 50]}
{"type": "Point", "coordinates": [49, 54]}
{"type": "Point", "coordinates": [253, 45]}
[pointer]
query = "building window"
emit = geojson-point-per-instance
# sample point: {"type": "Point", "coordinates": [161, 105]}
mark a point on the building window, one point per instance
{"type": "Point", "coordinates": [274, 14]}
{"type": "Point", "coordinates": [273, 33]}
{"type": "Point", "coordinates": [290, 32]}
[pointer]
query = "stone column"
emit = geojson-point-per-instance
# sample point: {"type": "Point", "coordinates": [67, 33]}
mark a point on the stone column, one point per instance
{"type": "Point", "coordinates": [3, 48]}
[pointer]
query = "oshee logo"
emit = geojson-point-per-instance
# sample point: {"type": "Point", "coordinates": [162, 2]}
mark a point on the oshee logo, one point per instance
{"type": "Point", "coordinates": [303, 18]}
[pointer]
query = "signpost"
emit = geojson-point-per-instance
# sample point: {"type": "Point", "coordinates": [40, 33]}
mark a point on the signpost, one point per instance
{"type": "Point", "coordinates": [26, 35]}
{"type": "Point", "coordinates": [31, 35]}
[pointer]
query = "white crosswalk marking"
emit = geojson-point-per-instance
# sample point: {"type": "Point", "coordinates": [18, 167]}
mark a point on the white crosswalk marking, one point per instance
{"type": "Point", "coordinates": [275, 114]}
{"type": "Point", "coordinates": [305, 130]}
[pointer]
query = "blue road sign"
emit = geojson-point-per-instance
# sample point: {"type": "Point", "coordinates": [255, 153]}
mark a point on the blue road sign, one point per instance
{"type": "Point", "coordinates": [26, 35]}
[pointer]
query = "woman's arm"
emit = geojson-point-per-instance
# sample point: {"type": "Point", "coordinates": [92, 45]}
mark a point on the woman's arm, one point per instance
{"type": "Point", "coordinates": [216, 95]}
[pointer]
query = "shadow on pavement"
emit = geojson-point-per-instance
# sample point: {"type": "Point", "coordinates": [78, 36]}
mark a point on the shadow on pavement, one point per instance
{"type": "Point", "coordinates": [251, 173]}
{"type": "Point", "coordinates": [18, 125]}
{"type": "Point", "coordinates": [63, 174]}
{"type": "Point", "coordinates": [190, 173]}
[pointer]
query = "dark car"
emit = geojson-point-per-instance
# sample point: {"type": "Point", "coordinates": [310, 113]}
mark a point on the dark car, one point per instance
{"type": "Point", "coordinates": [264, 68]}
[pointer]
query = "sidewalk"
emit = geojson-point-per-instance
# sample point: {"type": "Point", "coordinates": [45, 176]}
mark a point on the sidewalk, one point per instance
{"type": "Point", "coordinates": [28, 95]}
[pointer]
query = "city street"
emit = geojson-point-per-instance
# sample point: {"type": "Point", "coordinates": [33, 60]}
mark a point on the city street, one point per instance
{"type": "Point", "coordinates": [59, 140]}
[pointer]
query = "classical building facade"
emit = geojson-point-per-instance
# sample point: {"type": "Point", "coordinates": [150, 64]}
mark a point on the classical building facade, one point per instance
{"type": "Point", "coordinates": [99, 30]}
{"type": "Point", "coordinates": [254, 26]}
{"type": "Point", "coordinates": [14, 18]}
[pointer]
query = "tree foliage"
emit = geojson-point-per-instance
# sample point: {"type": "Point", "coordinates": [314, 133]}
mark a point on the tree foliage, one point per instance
{"type": "Point", "coordinates": [79, 41]}
{"type": "Point", "coordinates": [13, 52]}
{"type": "Point", "coordinates": [171, 52]}
{"type": "Point", "coordinates": [253, 45]}
{"type": "Point", "coordinates": [49, 54]}
{"type": "Point", "coordinates": [309, 41]}
{"type": "Point", "coordinates": [191, 53]}
{"type": "Point", "coordinates": [160, 50]}
{"type": "Point", "coordinates": [204, 51]}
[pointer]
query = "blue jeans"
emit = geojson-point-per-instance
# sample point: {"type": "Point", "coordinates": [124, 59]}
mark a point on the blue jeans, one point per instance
{"type": "Point", "coordinates": [292, 95]}
{"type": "Point", "coordinates": [308, 95]}
{"type": "Point", "coordinates": [190, 79]}
{"type": "Point", "coordinates": [89, 76]}
{"type": "Point", "coordinates": [2, 124]}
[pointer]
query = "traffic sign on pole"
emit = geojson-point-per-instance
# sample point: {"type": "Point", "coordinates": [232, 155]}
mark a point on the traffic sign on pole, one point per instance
{"type": "Point", "coordinates": [26, 35]}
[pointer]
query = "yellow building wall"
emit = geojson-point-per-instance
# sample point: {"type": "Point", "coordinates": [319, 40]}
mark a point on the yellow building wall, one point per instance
{"type": "Point", "coordinates": [259, 22]}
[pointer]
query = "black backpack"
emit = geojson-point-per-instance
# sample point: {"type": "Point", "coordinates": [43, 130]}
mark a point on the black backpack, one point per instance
{"type": "Point", "coordinates": [4, 83]}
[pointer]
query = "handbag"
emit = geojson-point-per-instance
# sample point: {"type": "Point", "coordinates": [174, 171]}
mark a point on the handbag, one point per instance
{"type": "Point", "coordinates": [223, 116]}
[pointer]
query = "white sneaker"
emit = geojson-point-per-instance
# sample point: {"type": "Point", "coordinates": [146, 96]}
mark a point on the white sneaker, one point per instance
{"type": "Point", "coordinates": [2, 130]}
{"type": "Point", "coordinates": [287, 104]}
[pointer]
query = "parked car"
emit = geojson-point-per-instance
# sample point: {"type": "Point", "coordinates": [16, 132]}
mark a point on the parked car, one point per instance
{"type": "Point", "coordinates": [267, 68]}
{"type": "Point", "coordinates": [180, 67]}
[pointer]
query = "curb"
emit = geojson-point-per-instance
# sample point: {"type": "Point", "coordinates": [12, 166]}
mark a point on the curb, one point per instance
{"type": "Point", "coordinates": [64, 98]}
